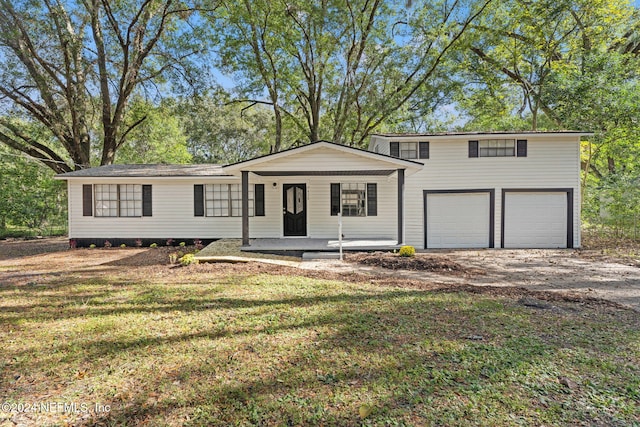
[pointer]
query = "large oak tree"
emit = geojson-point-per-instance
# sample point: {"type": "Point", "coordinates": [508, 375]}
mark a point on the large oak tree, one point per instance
{"type": "Point", "coordinates": [73, 66]}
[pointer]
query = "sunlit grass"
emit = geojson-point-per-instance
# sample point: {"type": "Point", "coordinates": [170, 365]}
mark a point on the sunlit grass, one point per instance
{"type": "Point", "coordinates": [279, 350]}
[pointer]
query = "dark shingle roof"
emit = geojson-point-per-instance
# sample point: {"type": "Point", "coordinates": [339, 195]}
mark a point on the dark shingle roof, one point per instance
{"type": "Point", "coordinates": [147, 171]}
{"type": "Point", "coordinates": [511, 132]}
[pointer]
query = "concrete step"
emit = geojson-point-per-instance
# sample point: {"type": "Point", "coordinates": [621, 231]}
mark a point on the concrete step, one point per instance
{"type": "Point", "coordinates": [306, 256]}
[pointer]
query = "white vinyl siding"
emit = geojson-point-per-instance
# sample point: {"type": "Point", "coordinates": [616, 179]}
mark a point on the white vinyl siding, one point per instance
{"type": "Point", "coordinates": [550, 163]}
{"type": "Point", "coordinates": [173, 212]}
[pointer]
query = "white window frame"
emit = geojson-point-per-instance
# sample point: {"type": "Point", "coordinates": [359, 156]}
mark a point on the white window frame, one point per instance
{"type": "Point", "coordinates": [408, 150]}
{"type": "Point", "coordinates": [347, 205]}
{"type": "Point", "coordinates": [225, 200]}
{"type": "Point", "coordinates": [117, 200]}
{"type": "Point", "coordinates": [497, 148]}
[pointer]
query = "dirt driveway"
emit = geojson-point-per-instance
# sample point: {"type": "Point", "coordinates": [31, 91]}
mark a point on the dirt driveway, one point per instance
{"type": "Point", "coordinates": [584, 273]}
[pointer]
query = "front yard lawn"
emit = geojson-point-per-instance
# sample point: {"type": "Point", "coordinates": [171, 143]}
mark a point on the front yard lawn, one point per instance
{"type": "Point", "coordinates": [224, 348]}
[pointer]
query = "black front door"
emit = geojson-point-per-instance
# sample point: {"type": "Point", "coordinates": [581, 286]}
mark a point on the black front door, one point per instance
{"type": "Point", "coordinates": [294, 206]}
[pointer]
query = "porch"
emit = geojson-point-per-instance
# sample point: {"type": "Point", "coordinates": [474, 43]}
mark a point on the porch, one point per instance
{"type": "Point", "coordinates": [303, 190]}
{"type": "Point", "coordinates": [319, 245]}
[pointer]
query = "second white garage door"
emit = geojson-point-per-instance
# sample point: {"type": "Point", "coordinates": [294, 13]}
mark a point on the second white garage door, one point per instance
{"type": "Point", "coordinates": [535, 220]}
{"type": "Point", "coordinates": [457, 220]}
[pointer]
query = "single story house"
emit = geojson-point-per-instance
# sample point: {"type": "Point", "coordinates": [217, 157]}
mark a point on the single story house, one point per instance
{"type": "Point", "coordinates": [438, 190]}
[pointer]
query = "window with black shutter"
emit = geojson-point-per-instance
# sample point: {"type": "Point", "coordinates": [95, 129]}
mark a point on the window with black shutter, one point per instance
{"type": "Point", "coordinates": [335, 199]}
{"type": "Point", "coordinates": [473, 148]}
{"type": "Point", "coordinates": [146, 200]}
{"type": "Point", "coordinates": [87, 200]}
{"type": "Point", "coordinates": [354, 199]}
{"type": "Point", "coordinates": [259, 199]}
{"type": "Point", "coordinates": [372, 199]}
{"type": "Point", "coordinates": [198, 200]}
{"type": "Point", "coordinates": [394, 149]}
{"type": "Point", "coordinates": [424, 149]}
{"type": "Point", "coordinates": [522, 148]}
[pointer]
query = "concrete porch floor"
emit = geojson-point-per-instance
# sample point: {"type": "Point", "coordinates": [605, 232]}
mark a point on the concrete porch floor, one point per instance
{"type": "Point", "coordinates": [321, 245]}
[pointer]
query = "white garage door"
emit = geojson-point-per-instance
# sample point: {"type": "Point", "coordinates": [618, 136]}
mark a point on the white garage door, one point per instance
{"type": "Point", "coordinates": [535, 220]}
{"type": "Point", "coordinates": [457, 220]}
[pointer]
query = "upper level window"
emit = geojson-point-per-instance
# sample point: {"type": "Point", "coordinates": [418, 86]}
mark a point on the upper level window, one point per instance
{"type": "Point", "coordinates": [118, 200]}
{"type": "Point", "coordinates": [497, 147]}
{"type": "Point", "coordinates": [409, 150]}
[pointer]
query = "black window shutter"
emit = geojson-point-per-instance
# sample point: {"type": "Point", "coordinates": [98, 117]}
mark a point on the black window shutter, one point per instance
{"type": "Point", "coordinates": [394, 149]}
{"type": "Point", "coordinates": [423, 150]}
{"type": "Point", "coordinates": [335, 199]}
{"type": "Point", "coordinates": [146, 200]}
{"type": "Point", "coordinates": [258, 202]}
{"type": "Point", "coordinates": [198, 200]}
{"type": "Point", "coordinates": [522, 148]}
{"type": "Point", "coordinates": [87, 200]}
{"type": "Point", "coordinates": [473, 148]}
{"type": "Point", "coordinates": [372, 199]}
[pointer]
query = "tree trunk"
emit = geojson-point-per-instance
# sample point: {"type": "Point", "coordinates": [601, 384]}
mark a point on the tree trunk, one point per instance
{"type": "Point", "coordinates": [278, 139]}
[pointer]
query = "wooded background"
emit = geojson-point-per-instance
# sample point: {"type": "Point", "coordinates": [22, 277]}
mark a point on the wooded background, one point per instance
{"type": "Point", "coordinates": [93, 82]}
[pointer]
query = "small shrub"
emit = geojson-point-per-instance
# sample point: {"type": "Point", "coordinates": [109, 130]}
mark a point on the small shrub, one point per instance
{"type": "Point", "coordinates": [73, 243]}
{"type": "Point", "coordinates": [138, 243]}
{"type": "Point", "coordinates": [183, 244]}
{"type": "Point", "coordinates": [198, 244]}
{"type": "Point", "coordinates": [123, 246]}
{"type": "Point", "coordinates": [107, 244]}
{"type": "Point", "coordinates": [153, 245]}
{"type": "Point", "coordinates": [407, 251]}
{"type": "Point", "coordinates": [92, 246]}
{"type": "Point", "coordinates": [170, 242]}
{"type": "Point", "coordinates": [173, 257]}
{"type": "Point", "coordinates": [188, 259]}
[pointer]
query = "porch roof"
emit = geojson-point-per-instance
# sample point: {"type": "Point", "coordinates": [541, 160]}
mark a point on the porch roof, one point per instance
{"type": "Point", "coordinates": [359, 162]}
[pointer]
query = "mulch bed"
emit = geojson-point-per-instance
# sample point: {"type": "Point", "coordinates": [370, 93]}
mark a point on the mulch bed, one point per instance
{"type": "Point", "coordinates": [419, 262]}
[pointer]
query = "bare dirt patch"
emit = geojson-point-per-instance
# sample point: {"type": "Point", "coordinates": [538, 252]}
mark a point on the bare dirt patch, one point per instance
{"type": "Point", "coordinates": [13, 248]}
{"type": "Point", "coordinates": [510, 274]}
{"type": "Point", "coordinates": [419, 262]}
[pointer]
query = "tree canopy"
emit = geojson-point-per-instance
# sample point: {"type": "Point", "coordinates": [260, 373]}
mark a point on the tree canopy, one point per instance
{"type": "Point", "coordinates": [74, 66]}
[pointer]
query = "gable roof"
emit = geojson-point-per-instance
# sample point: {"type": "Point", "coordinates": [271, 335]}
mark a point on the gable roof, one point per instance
{"type": "Point", "coordinates": [323, 144]}
{"type": "Point", "coordinates": [148, 171]}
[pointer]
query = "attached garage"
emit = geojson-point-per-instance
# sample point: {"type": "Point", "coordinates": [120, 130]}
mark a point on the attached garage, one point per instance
{"type": "Point", "coordinates": [537, 218]}
{"type": "Point", "coordinates": [459, 218]}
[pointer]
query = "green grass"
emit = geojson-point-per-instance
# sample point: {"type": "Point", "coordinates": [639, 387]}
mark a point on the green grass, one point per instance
{"type": "Point", "coordinates": [275, 350]}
